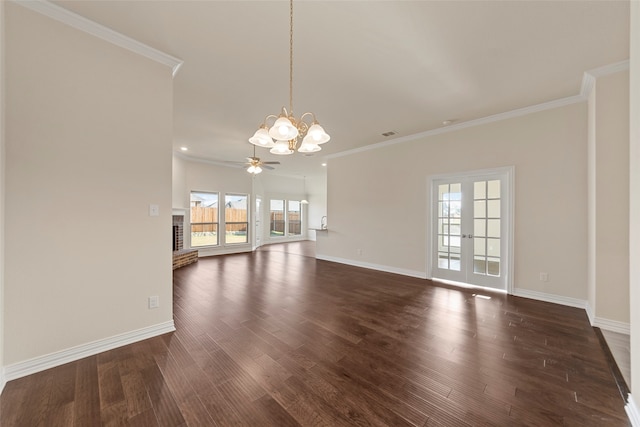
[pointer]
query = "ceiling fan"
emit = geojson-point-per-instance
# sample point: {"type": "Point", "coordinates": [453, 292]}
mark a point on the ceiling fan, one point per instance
{"type": "Point", "coordinates": [255, 165]}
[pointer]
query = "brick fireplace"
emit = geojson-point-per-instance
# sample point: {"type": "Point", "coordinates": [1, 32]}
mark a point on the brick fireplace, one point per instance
{"type": "Point", "coordinates": [181, 256]}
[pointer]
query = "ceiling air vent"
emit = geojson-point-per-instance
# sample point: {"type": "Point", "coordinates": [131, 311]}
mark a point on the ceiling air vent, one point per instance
{"type": "Point", "coordinates": [390, 133]}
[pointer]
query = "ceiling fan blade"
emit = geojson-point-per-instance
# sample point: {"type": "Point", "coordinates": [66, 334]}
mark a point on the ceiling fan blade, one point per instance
{"type": "Point", "coordinates": [267, 167]}
{"type": "Point", "coordinates": [270, 163]}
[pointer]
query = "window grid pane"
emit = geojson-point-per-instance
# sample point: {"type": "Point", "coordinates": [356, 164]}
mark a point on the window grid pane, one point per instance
{"type": "Point", "coordinates": [294, 218]}
{"type": "Point", "coordinates": [236, 218]}
{"type": "Point", "coordinates": [486, 247]}
{"type": "Point", "coordinates": [449, 230]}
{"type": "Point", "coordinates": [276, 218]}
{"type": "Point", "coordinates": [204, 219]}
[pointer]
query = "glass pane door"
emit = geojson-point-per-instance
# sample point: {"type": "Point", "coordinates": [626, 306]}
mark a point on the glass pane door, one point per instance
{"type": "Point", "coordinates": [470, 224]}
{"type": "Point", "coordinates": [449, 225]}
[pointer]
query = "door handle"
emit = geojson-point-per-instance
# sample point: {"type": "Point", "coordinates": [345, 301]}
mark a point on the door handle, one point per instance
{"type": "Point", "coordinates": [467, 235]}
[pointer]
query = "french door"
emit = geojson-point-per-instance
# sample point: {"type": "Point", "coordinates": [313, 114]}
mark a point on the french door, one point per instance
{"type": "Point", "coordinates": [471, 240]}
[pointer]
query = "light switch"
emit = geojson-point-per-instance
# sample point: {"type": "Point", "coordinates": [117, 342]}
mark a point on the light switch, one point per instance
{"type": "Point", "coordinates": [154, 210]}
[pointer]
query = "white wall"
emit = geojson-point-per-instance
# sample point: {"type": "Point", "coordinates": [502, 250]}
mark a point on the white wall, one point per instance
{"type": "Point", "coordinates": [634, 209]}
{"type": "Point", "coordinates": [2, 181]}
{"type": "Point", "coordinates": [612, 198]}
{"type": "Point", "coordinates": [88, 149]}
{"type": "Point", "coordinates": [179, 184]}
{"type": "Point", "coordinates": [377, 199]}
{"type": "Point", "coordinates": [317, 196]}
{"type": "Point", "coordinates": [194, 175]}
{"type": "Point", "coordinates": [207, 177]}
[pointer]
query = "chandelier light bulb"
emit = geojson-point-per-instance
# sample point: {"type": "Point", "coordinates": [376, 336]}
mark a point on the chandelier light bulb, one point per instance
{"type": "Point", "coordinates": [283, 130]}
{"type": "Point", "coordinates": [318, 134]}
{"type": "Point", "coordinates": [281, 148]}
{"type": "Point", "coordinates": [308, 147]}
{"type": "Point", "coordinates": [261, 138]}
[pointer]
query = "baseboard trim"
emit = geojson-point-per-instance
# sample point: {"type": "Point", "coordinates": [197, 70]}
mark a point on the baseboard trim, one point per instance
{"type": "Point", "coordinates": [38, 364]}
{"type": "Point", "coordinates": [556, 299]}
{"type": "Point", "coordinates": [590, 314]}
{"type": "Point", "coordinates": [632, 411]}
{"type": "Point", "coordinates": [612, 325]}
{"type": "Point", "coordinates": [2, 379]}
{"type": "Point", "coordinates": [371, 266]}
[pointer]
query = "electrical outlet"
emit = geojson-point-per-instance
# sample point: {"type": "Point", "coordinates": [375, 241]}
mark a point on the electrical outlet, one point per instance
{"type": "Point", "coordinates": [359, 251]}
{"type": "Point", "coordinates": [154, 302]}
{"type": "Point", "coordinates": [544, 277]}
{"type": "Point", "coordinates": [154, 210]}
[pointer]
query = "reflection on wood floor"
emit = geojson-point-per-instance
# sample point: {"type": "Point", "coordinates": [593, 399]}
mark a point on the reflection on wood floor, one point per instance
{"type": "Point", "coordinates": [277, 338]}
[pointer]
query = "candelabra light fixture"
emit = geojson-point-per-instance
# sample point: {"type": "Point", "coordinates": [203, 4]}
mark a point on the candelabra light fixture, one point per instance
{"type": "Point", "coordinates": [286, 131]}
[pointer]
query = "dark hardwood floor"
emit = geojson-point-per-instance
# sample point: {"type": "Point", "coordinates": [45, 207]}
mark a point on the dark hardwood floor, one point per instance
{"type": "Point", "coordinates": [276, 338]}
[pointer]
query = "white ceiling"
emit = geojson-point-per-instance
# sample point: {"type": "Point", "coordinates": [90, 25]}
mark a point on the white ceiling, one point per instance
{"type": "Point", "coordinates": [363, 67]}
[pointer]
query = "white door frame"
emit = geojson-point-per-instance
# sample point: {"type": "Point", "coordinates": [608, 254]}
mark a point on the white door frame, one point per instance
{"type": "Point", "coordinates": [509, 171]}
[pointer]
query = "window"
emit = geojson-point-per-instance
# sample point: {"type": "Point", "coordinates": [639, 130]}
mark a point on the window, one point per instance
{"type": "Point", "coordinates": [294, 218]}
{"type": "Point", "coordinates": [236, 219]}
{"type": "Point", "coordinates": [204, 219]}
{"type": "Point", "coordinates": [276, 218]}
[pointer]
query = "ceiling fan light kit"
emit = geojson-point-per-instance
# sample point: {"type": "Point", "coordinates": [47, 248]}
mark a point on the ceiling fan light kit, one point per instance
{"type": "Point", "coordinates": [286, 131]}
{"type": "Point", "coordinates": [255, 164]}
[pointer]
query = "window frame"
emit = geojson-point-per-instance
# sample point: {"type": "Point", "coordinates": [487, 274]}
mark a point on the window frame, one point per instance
{"type": "Point", "coordinates": [247, 222]}
{"type": "Point", "coordinates": [288, 218]}
{"type": "Point", "coordinates": [272, 220]}
{"type": "Point", "coordinates": [215, 223]}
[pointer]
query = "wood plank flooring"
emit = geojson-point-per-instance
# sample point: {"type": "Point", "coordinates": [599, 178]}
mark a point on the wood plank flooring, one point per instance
{"type": "Point", "coordinates": [277, 338]}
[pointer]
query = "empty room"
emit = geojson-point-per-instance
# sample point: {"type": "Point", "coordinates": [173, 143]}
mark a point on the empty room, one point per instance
{"type": "Point", "coordinates": [296, 213]}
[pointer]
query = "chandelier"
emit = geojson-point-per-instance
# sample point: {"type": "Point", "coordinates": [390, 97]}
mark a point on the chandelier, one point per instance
{"type": "Point", "coordinates": [287, 131]}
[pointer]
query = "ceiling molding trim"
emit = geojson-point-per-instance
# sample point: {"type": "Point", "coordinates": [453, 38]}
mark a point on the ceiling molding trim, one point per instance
{"type": "Point", "coordinates": [274, 172]}
{"type": "Point", "coordinates": [83, 24]}
{"type": "Point", "coordinates": [203, 160]}
{"type": "Point", "coordinates": [471, 123]}
{"type": "Point", "coordinates": [590, 76]}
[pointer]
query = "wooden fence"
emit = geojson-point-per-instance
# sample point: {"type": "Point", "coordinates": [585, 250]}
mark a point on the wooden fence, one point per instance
{"type": "Point", "coordinates": [277, 223]}
{"type": "Point", "coordinates": [202, 218]}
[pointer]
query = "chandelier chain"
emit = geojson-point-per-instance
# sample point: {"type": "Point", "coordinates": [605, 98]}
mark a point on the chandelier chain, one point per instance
{"type": "Point", "coordinates": [286, 132]}
{"type": "Point", "coordinates": [291, 57]}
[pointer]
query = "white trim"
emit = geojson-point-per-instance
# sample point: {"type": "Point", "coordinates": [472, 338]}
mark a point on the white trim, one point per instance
{"type": "Point", "coordinates": [371, 266]}
{"type": "Point", "coordinates": [611, 325]}
{"type": "Point", "coordinates": [556, 299]}
{"type": "Point", "coordinates": [590, 314]}
{"type": "Point", "coordinates": [590, 76]}
{"type": "Point", "coordinates": [605, 70]}
{"type": "Point", "coordinates": [588, 81]}
{"type": "Point", "coordinates": [223, 250]}
{"type": "Point", "coordinates": [83, 24]}
{"type": "Point", "coordinates": [37, 364]}
{"type": "Point", "coordinates": [632, 411]}
{"type": "Point", "coordinates": [471, 123]}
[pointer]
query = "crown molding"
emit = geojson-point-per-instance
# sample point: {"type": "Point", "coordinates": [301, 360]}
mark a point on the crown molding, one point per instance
{"type": "Point", "coordinates": [590, 76]}
{"type": "Point", "coordinates": [471, 123]}
{"type": "Point", "coordinates": [588, 83]}
{"type": "Point", "coordinates": [83, 24]}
